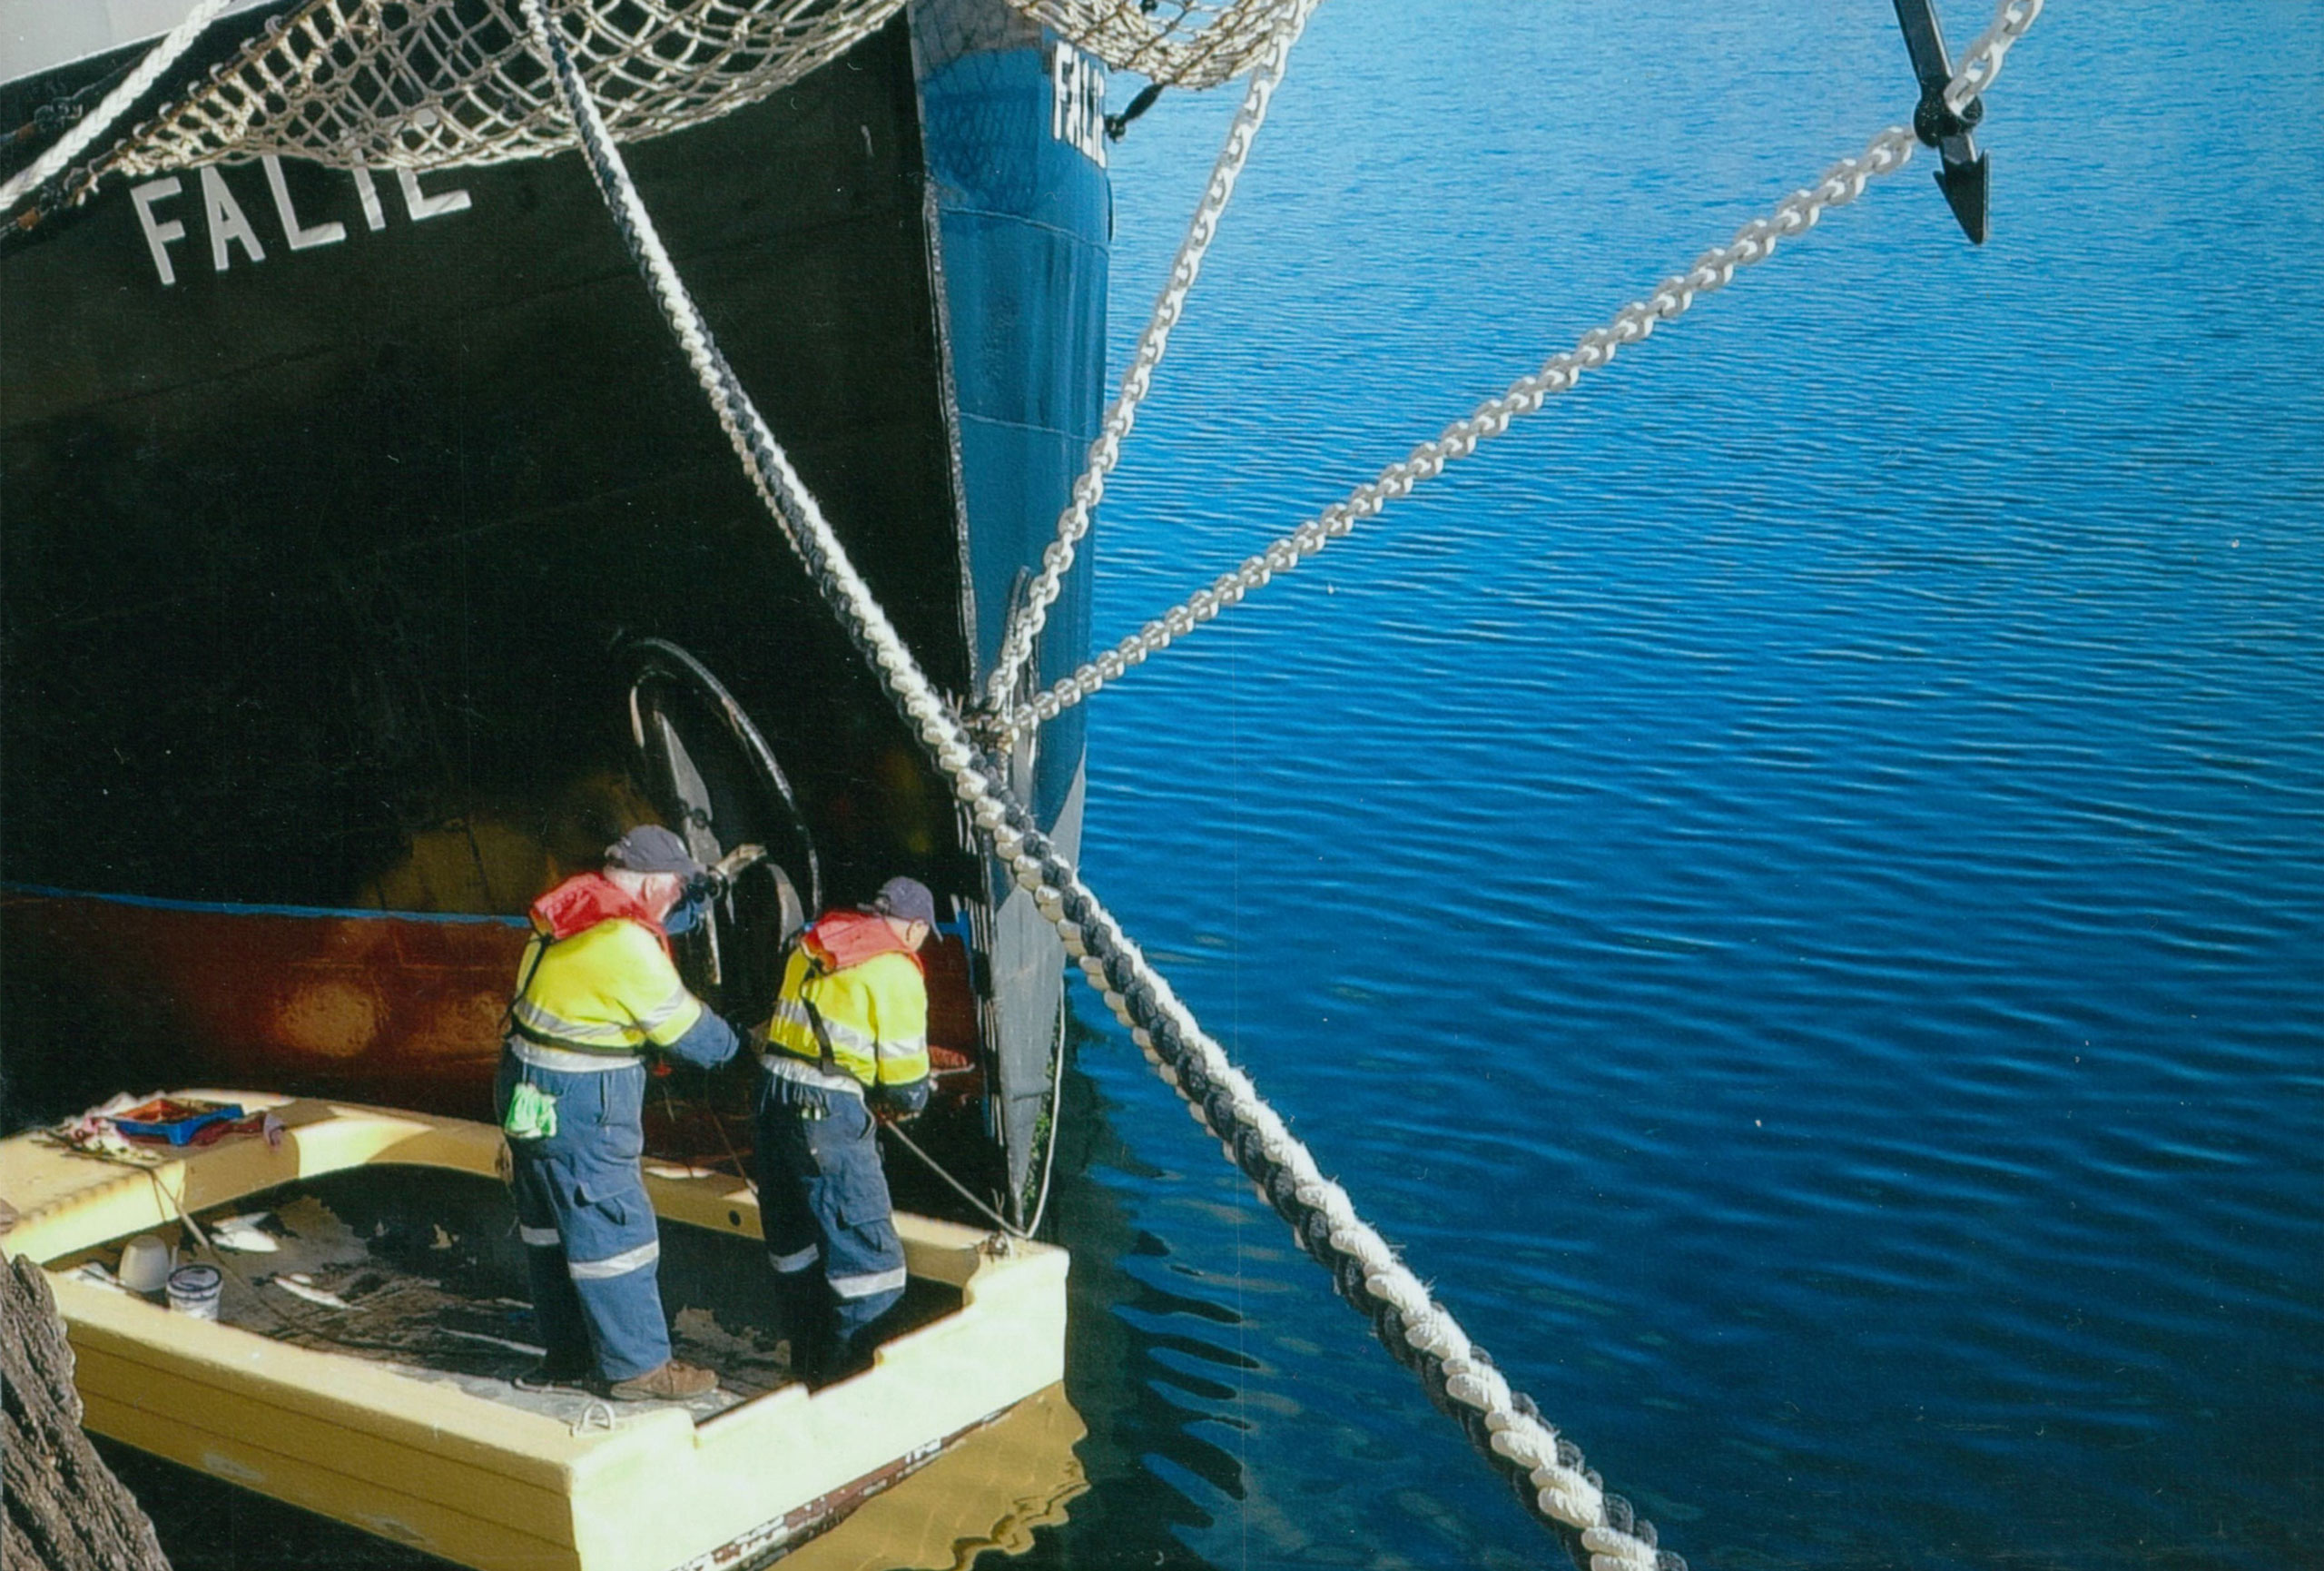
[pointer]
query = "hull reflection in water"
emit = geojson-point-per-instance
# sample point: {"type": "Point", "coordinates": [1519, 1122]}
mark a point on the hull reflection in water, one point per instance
{"type": "Point", "coordinates": [989, 1492]}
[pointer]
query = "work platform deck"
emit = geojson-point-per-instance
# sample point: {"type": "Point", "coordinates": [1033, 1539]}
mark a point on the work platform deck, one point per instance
{"type": "Point", "coordinates": [360, 1366]}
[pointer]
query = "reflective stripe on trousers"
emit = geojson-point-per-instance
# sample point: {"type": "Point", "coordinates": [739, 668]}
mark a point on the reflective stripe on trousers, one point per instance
{"type": "Point", "coordinates": [798, 1260]}
{"type": "Point", "coordinates": [619, 1265]}
{"type": "Point", "coordinates": [867, 1283]}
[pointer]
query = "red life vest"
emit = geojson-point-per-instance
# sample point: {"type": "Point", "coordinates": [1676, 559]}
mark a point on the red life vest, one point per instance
{"type": "Point", "coordinates": [839, 939]}
{"type": "Point", "coordinates": [584, 900]}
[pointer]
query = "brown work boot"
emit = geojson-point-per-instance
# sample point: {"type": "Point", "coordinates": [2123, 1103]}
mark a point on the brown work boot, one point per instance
{"type": "Point", "coordinates": [673, 1382]}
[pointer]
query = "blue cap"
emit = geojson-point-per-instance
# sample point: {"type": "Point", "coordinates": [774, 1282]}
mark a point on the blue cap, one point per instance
{"type": "Point", "coordinates": [650, 848]}
{"type": "Point", "coordinates": [907, 899]}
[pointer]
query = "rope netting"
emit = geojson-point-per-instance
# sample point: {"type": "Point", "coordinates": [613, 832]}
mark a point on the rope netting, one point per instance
{"type": "Point", "coordinates": [417, 83]}
{"type": "Point", "coordinates": [1183, 43]}
{"type": "Point", "coordinates": [422, 84]}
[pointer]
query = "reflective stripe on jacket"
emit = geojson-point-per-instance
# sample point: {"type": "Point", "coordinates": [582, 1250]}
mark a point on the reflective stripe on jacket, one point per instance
{"type": "Point", "coordinates": [610, 989]}
{"type": "Point", "coordinates": [876, 1013]}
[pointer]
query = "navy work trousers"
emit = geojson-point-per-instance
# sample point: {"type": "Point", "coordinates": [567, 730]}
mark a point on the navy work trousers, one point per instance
{"type": "Point", "coordinates": [823, 1203]}
{"type": "Point", "coordinates": [592, 1247]}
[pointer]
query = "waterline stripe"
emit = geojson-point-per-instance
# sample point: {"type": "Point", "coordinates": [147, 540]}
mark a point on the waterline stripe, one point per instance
{"type": "Point", "coordinates": [227, 908]}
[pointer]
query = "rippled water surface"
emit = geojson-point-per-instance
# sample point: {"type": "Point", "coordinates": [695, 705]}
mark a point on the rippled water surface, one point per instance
{"type": "Point", "coordinates": [1792, 885]}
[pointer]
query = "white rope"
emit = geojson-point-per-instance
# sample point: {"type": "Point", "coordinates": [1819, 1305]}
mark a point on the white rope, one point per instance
{"type": "Point", "coordinates": [1756, 241]}
{"type": "Point", "coordinates": [1027, 618]}
{"type": "Point", "coordinates": [100, 120]}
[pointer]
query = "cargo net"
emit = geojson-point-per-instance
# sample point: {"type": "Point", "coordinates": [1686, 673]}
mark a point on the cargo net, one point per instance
{"type": "Point", "coordinates": [418, 84]}
{"type": "Point", "coordinates": [1181, 43]}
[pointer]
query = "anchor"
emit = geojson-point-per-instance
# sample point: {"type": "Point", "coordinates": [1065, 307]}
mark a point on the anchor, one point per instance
{"type": "Point", "coordinates": [1963, 179]}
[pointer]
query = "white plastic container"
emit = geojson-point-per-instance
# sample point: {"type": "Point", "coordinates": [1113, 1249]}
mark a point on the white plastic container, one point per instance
{"type": "Point", "coordinates": [145, 1262]}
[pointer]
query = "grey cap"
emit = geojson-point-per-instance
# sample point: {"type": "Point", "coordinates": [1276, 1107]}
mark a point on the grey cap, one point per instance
{"type": "Point", "coordinates": [907, 899]}
{"type": "Point", "coordinates": [650, 848]}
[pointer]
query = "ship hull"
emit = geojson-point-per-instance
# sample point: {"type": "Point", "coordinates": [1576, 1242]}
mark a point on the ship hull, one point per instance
{"type": "Point", "coordinates": [321, 555]}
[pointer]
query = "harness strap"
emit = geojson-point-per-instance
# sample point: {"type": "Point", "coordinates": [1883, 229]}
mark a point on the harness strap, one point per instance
{"type": "Point", "coordinates": [816, 970]}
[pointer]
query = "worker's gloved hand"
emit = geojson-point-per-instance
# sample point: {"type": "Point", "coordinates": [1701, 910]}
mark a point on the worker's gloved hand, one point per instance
{"type": "Point", "coordinates": [898, 1103]}
{"type": "Point", "coordinates": [692, 906]}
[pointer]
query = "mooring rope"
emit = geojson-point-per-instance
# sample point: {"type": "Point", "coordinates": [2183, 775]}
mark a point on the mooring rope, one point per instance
{"type": "Point", "coordinates": [101, 119]}
{"type": "Point", "coordinates": [1027, 616]}
{"type": "Point", "coordinates": [1842, 184]}
{"type": "Point", "coordinates": [994, 1217]}
{"type": "Point", "coordinates": [1502, 1424]}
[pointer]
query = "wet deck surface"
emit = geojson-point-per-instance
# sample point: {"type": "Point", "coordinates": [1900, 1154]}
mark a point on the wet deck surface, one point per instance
{"type": "Point", "coordinates": [417, 1292]}
{"type": "Point", "coordinates": [420, 1270]}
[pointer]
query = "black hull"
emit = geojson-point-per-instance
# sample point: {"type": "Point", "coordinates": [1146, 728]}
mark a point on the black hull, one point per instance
{"type": "Point", "coordinates": [315, 567]}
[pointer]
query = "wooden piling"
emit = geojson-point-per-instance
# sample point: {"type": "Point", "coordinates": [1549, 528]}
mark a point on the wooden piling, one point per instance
{"type": "Point", "coordinates": [65, 1510]}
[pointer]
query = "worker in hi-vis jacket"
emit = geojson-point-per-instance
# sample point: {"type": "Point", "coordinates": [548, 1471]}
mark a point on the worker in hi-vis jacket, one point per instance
{"type": "Point", "coordinates": [846, 1048]}
{"type": "Point", "coordinates": [596, 992]}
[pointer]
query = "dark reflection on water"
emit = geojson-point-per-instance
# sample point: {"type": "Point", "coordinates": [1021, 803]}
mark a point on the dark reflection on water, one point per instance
{"type": "Point", "coordinates": [1793, 885]}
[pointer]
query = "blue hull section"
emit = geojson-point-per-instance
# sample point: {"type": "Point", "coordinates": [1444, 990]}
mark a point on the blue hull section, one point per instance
{"type": "Point", "coordinates": [1022, 218]}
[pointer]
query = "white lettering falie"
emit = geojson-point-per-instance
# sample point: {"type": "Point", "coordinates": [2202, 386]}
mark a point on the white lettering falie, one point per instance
{"type": "Point", "coordinates": [1078, 101]}
{"type": "Point", "coordinates": [227, 225]}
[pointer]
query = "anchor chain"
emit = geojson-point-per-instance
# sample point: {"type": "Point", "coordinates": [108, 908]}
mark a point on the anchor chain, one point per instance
{"type": "Point", "coordinates": [1843, 183]}
{"type": "Point", "coordinates": [1756, 241]}
{"type": "Point", "coordinates": [1030, 614]}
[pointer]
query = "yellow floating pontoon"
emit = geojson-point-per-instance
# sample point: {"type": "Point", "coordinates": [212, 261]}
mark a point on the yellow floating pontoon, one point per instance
{"type": "Point", "coordinates": [360, 1366]}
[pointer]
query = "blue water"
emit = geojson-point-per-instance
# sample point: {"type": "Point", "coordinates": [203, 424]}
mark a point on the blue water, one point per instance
{"type": "Point", "coordinates": [1792, 885]}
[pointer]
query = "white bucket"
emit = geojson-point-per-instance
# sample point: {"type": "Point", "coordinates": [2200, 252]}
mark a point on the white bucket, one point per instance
{"type": "Point", "coordinates": [146, 1263]}
{"type": "Point", "coordinates": [194, 1290]}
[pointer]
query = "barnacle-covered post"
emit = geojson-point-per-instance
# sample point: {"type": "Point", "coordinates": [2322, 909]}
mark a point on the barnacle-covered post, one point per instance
{"type": "Point", "coordinates": [66, 1511]}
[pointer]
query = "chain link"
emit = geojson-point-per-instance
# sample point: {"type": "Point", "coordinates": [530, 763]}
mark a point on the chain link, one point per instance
{"type": "Point", "coordinates": [1844, 183]}
{"type": "Point", "coordinates": [1027, 618]}
{"type": "Point", "coordinates": [1982, 64]}
{"type": "Point", "coordinates": [1714, 269]}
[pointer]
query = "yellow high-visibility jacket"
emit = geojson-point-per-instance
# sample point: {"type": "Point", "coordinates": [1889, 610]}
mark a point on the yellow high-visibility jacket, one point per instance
{"type": "Point", "coordinates": [875, 1012]}
{"type": "Point", "coordinates": [609, 989]}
